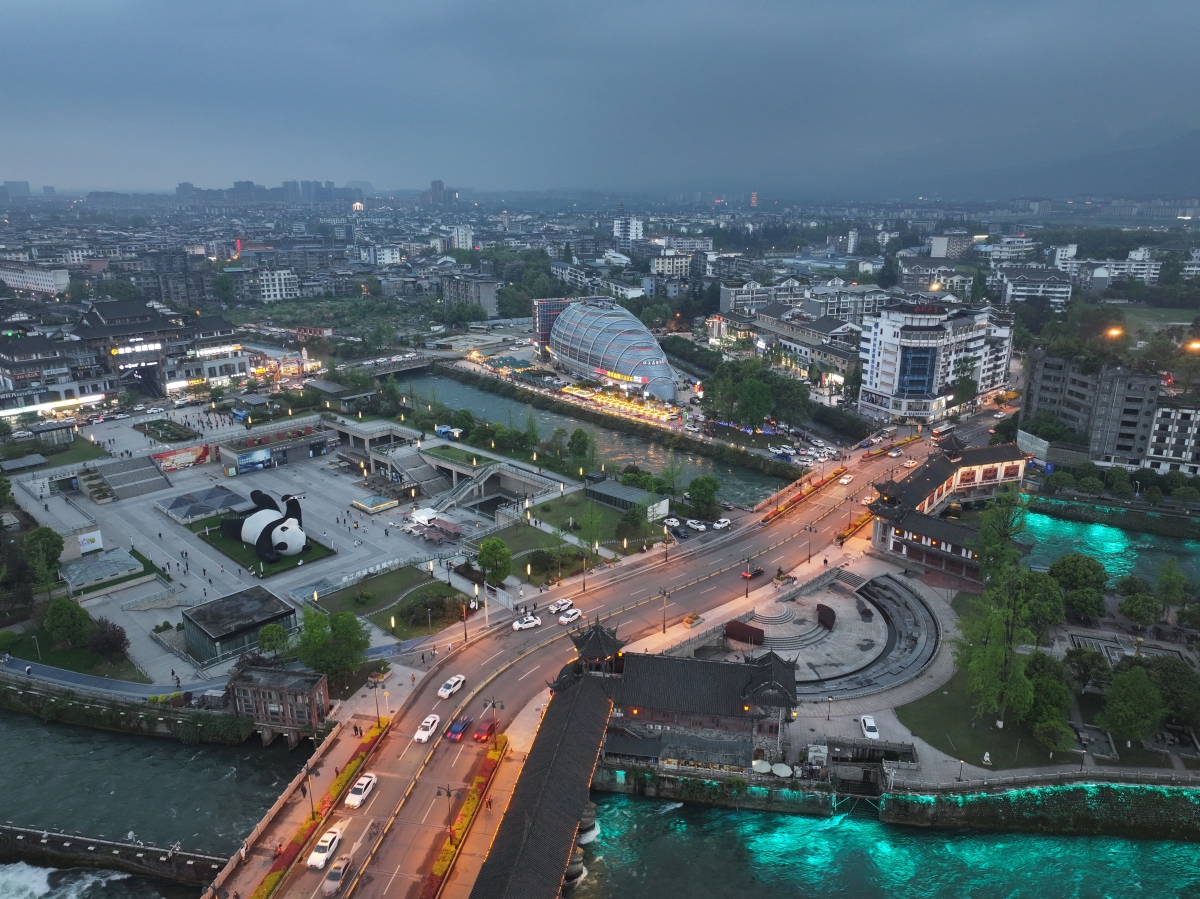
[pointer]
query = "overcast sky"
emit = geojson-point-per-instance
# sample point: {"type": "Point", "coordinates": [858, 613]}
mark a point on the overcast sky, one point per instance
{"type": "Point", "coordinates": [790, 98]}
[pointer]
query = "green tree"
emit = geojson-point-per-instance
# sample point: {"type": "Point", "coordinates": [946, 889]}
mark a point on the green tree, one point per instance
{"type": "Point", "coordinates": [108, 639]}
{"type": "Point", "coordinates": [273, 638]}
{"type": "Point", "coordinates": [591, 524]}
{"type": "Point", "coordinates": [9, 641]}
{"type": "Point", "coordinates": [1185, 494]}
{"type": "Point", "coordinates": [1169, 586]}
{"type": "Point", "coordinates": [118, 290]}
{"type": "Point", "coordinates": [1075, 571]}
{"type": "Point", "coordinates": [223, 288]}
{"type": "Point", "coordinates": [1051, 708]}
{"type": "Point", "coordinates": [1091, 486]}
{"type": "Point", "coordinates": [41, 551]}
{"type": "Point", "coordinates": [531, 429]}
{"type": "Point", "coordinates": [495, 558]}
{"type": "Point", "coordinates": [1153, 495]}
{"type": "Point", "coordinates": [5, 491]}
{"type": "Point", "coordinates": [1059, 480]}
{"type": "Point", "coordinates": [1042, 600]}
{"type": "Point", "coordinates": [1178, 684]}
{"type": "Point", "coordinates": [703, 492]}
{"type": "Point", "coordinates": [1086, 602]}
{"type": "Point", "coordinates": [1122, 490]}
{"type": "Point", "coordinates": [557, 444]}
{"type": "Point", "coordinates": [580, 444]}
{"type": "Point", "coordinates": [1128, 585]}
{"type": "Point", "coordinates": [1088, 666]}
{"type": "Point", "coordinates": [335, 646]}
{"type": "Point", "coordinates": [67, 621]}
{"type": "Point", "coordinates": [77, 290]}
{"type": "Point", "coordinates": [671, 473]}
{"type": "Point", "coordinates": [1141, 608]}
{"type": "Point", "coordinates": [754, 402]}
{"type": "Point", "coordinates": [1132, 706]}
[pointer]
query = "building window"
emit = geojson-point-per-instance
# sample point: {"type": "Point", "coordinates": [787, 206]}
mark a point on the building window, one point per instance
{"type": "Point", "coordinates": [989, 474]}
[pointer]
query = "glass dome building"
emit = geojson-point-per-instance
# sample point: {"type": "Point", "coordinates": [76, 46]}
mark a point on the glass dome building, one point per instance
{"type": "Point", "coordinates": [604, 340]}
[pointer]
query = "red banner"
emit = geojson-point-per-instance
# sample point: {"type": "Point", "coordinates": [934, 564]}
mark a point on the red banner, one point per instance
{"type": "Point", "coordinates": [177, 459]}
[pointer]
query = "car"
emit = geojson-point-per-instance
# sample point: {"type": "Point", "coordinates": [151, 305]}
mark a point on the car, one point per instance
{"type": "Point", "coordinates": [687, 497]}
{"type": "Point", "coordinates": [326, 847]}
{"type": "Point", "coordinates": [361, 790]}
{"type": "Point", "coordinates": [895, 454]}
{"type": "Point", "coordinates": [120, 416]}
{"type": "Point", "coordinates": [559, 605]}
{"type": "Point", "coordinates": [681, 533]}
{"type": "Point", "coordinates": [1000, 415]}
{"type": "Point", "coordinates": [339, 873]}
{"type": "Point", "coordinates": [721, 523]}
{"type": "Point", "coordinates": [870, 731]}
{"type": "Point", "coordinates": [756, 571]}
{"type": "Point", "coordinates": [570, 616]}
{"type": "Point", "coordinates": [459, 727]}
{"type": "Point", "coordinates": [522, 624]}
{"type": "Point", "coordinates": [776, 450]}
{"type": "Point", "coordinates": [696, 525]}
{"type": "Point", "coordinates": [140, 407]}
{"type": "Point", "coordinates": [991, 430]}
{"type": "Point", "coordinates": [22, 435]}
{"type": "Point", "coordinates": [911, 463]}
{"type": "Point", "coordinates": [450, 687]}
{"type": "Point", "coordinates": [868, 499]}
{"type": "Point", "coordinates": [692, 428]}
{"type": "Point", "coordinates": [427, 728]}
{"type": "Point", "coordinates": [671, 522]}
{"type": "Point", "coordinates": [155, 410]}
{"type": "Point", "coordinates": [819, 443]}
{"type": "Point", "coordinates": [845, 479]}
{"type": "Point", "coordinates": [484, 732]}
{"type": "Point", "coordinates": [727, 505]}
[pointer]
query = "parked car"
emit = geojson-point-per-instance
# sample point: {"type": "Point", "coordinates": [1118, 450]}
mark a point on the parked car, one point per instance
{"type": "Point", "coordinates": [326, 846]}
{"type": "Point", "coordinates": [846, 479]}
{"type": "Point", "coordinates": [484, 732]}
{"type": "Point", "coordinates": [870, 731]}
{"type": "Point", "coordinates": [681, 533]}
{"type": "Point", "coordinates": [459, 727]}
{"type": "Point", "coordinates": [339, 873]}
{"type": "Point", "coordinates": [721, 523]}
{"type": "Point", "coordinates": [559, 605]}
{"type": "Point", "coordinates": [22, 435]}
{"type": "Point", "coordinates": [522, 624]}
{"type": "Point", "coordinates": [754, 572]}
{"type": "Point", "coordinates": [692, 428]}
{"type": "Point", "coordinates": [450, 687]}
{"type": "Point", "coordinates": [361, 790]}
{"type": "Point", "coordinates": [570, 616]}
{"type": "Point", "coordinates": [727, 505]}
{"type": "Point", "coordinates": [427, 728]}
{"type": "Point", "coordinates": [671, 522]}
{"type": "Point", "coordinates": [696, 525]}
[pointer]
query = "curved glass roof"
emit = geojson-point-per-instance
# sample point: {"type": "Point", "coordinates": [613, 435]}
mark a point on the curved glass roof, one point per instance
{"type": "Point", "coordinates": [606, 340]}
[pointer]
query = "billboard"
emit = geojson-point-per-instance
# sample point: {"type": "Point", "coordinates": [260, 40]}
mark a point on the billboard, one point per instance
{"type": "Point", "coordinates": [255, 460]}
{"type": "Point", "coordinates": [90, 542]}
{"type": "Point", "coordinates": [177, 459]}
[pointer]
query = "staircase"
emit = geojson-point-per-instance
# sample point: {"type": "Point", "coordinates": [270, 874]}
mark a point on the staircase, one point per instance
{"type": "Point", "coordinates": [781, 631]}
{"type": "Point", "coordinates": [849, 579]}
{"type": "Point", "coordinates": [464, 488]}
{"type": "Point", "coordinates": [418, 471]}
{"type": "Point", "coordinates": [133, 477]}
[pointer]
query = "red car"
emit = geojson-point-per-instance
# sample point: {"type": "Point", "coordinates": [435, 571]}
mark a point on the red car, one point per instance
{"type": "Point", "coordinates": [485, 732]}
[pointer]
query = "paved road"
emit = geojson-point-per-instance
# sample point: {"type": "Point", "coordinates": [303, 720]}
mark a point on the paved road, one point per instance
{"type": "Point", "coordinates": [407, 849]}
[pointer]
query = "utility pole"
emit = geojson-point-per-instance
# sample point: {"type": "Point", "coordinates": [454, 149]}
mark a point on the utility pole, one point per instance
{"type": "Point", "coordinates": [664, 596]}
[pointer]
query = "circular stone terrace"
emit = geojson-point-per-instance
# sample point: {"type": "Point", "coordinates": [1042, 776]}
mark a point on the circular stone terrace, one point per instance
{"type": "Point", "coordinates": [883, 634]}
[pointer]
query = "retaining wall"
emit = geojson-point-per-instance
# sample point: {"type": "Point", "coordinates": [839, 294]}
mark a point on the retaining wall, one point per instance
{"type": "Point", "coordinates": [725, 793]}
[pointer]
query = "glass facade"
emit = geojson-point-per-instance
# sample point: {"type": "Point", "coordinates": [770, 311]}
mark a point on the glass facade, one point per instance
{"type": "Point", "coordinates": [603, 340]}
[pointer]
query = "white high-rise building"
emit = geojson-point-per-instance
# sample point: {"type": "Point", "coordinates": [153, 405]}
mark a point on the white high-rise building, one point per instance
{"type": "Point", "coordinates": [462, 237]}
{"type": "Point", "coordinates": [34, 278]}
{"type": "Point", "coordinates": [278, 284]}
{"type": "Point", "coordinates": [626, 230]}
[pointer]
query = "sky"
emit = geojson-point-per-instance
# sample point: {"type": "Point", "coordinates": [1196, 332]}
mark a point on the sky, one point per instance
{"type": "Point", "coordinates": [800, 98]}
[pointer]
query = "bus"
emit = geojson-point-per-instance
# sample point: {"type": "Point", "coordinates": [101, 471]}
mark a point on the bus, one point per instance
{"type": "Point", "coordinates": [888, 433]}
{"type": "Point", "coordinates": [942, 431]}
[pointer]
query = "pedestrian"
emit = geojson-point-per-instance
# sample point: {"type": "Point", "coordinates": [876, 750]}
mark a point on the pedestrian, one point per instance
{"type": "Point", "coordinates": [28, 670]}
{"type": "Point", "coordinates": [160, 535]}
{"type": "Point", "coordinates": [414, 679]}
{"type": "Point", "coordinates": [243, 851]}
{"type": "Point", "coordinates": [210, 582]}
{"type": "Point", "coordinates": [239, 572]}
{"type": "Point", "coordinates": [172, 672]}
{"type": "Point", "coordinates": [205, 592]}
{"type": "Point", "coordinates": [422, 658]}
{"type": "Point", "coordinates": [204, 572]}
{"type": "Point", "coordinates": [222, 569]}
{"type": "Point", "coordinates": [336, 772]}
{"type": "Point", "coordinates": [825, 562]}
{"type": "Point", "coordinates": [304, 791]}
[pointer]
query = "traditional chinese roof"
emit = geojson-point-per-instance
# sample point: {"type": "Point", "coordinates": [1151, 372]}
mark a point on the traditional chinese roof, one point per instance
{"type": "Point", "coordinates": [596, 643]}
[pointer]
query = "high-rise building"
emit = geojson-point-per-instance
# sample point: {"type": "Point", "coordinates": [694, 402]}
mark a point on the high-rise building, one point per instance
{"type": "Point", "coordinates": [461, 237]}
{"type": "Point", "coordinates": [627, 229]}
{"type": "Point", "coordinates": [17, 188]}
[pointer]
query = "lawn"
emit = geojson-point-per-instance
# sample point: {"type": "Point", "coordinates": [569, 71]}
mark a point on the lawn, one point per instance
{"type": "Point", "coordinates": [79, 451]}
{"type": "Point", "coordinates": [519, 538]}
{"type": "Point", "coordinates": [167, 431]}
{"type": "Point", "coordinates": [73, 658]}
{"type": "Point", "coordinates": [245, 556]}
{"type": "Point", "coordinates": [384, 589]}
{"type": "Point", "coordinates": [355, 681]}
{"type": "Point", "coordinates": [560, 512]}
{"type": "Point", "coordinates": [1154, 317]}
{"type": "Point", "coordinates": [405, 631]}
{"type": "Point", "coordinates": [460, 455]}
{"type": "Point", "coordinates": [946, 720]}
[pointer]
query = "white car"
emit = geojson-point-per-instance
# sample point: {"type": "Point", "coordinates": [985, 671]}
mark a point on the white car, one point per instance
{"type": "Point", "coordinates": [721, 523]}
{"type": "Point", "coordinates": [774, 449]}
{"type": "Point", "coordinates": [120, 416]}
{"type": "Point", "coordinates": [692, 428]}
{"type": "Point", "coordinates": [361, 790]}
{"type": "Point", "coordinates": [696, 525]}
{"type": "Point", "coordinates": [427, 729]}
{"type": "Point", "coordinates": [669, 522]}
{"type": "Point", "coordinates": [819, 443]}
{"type": "Point", "coordinates": [522, 624]}
{"type": "Point", "coordinates": [870, 731]}
{"type": "Point", "coordinates": [895, 454]}
{"type": "Point", "coordinates": [1000, 415]}
{"type": "Point", "coordinates": [910, 463]}
{"type": "Point", "coordinates": [846, 479]}
{"type": "Point", "coordinates": [326, 847]}
{"type": "Point", "coordinates": [154, 410]}
{"type": "Point", "coordinates": [571, 615]}
{"type": "Point", "coordinates": [788, 450]}
{"type": "Point", "coordinates": [868, 499]}
{"type": "Point", "coordinates": [559, 605]}
{"type": "Point", "coordinates": [140, 407]}
{"type": "Point", "coordinates": [450, 687]}
{"type": "Point", "coordinates": [22, 435]}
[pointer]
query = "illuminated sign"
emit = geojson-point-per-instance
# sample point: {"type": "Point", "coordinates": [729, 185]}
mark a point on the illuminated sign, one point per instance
{"type": "Point", "coordinates": [216, 350]}
{"type": "Point", "coordinates": [136, 348]}
{"type": "Point", "coordinates": [617, 376]}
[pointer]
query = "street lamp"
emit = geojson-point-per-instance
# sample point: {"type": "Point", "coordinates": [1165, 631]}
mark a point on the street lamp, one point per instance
{"type": "Point", "coordinates": [664, 596]}
{"type": "Point", "coordinates": [429, 619]}
{"type": "Point", "coordinates": [960, 768]}
{"type": "Point", "coordinates": [309, 774]}
{"type": "Point", "coordinates": [450, 795]}
{"type": "Point", "coordinates": [374, 682]}
{"type": "Point", "coordinates": [493, 704]}
{"type": "Point", "coordinates": [829, 708]}
{"type": "Point", "coordinates": [37, 645]}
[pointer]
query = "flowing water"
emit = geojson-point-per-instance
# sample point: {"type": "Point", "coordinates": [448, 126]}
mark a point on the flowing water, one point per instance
{"type": "Point", "coordinates": [1121, 552]}
{"type": "Point", "coordinates": [738, 485]}
{"type": "Point", "coordinates": [649, 849]}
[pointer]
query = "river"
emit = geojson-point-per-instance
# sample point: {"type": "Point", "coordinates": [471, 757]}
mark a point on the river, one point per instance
{"type": "Point", "coordinates": [649, 849]}
{"type": "Point", "coordinates": [738, 485]}
{"type": "Point", "coordinates": [106, 784]}
{"type": "Point", "coordinates": [1121, 552]}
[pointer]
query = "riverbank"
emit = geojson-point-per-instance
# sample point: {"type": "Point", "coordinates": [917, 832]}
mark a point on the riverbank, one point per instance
{"type": "Point", "coordinates": [1094, 511]}
{"type": "Point", "coordinates": [669, 439]}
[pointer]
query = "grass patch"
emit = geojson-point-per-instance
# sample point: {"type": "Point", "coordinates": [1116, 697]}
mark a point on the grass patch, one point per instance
{"type": "Point", "coordinates": [245, 556]}
{"type": "Point", "coordinates": [1154, 317]}
{"type": "Point", "coordinates": [405, 631]}
{"type": "Point", "coordinates": [946, 720]}
{"type": "Point", "coordinates": [80, 450]}
{"type": "Point", "coordinates": [560, 512]}
{"type": "Point", "coordinates": [73, 658]}
{"type": "Point", "coordinates": [167, 431]}
{"type": "Point", "coordinates": [459, 455]}
{"type": "Point", "coordinates": [519, 538]}
{"type": "Point", "coordinates": [384, 589]}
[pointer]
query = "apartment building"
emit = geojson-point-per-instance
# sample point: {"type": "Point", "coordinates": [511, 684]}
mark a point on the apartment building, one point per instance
{"type": "Point", "coordinates": [626, 229]}
{"type": "Point", "coordinates": [913, 355]}
{"type": "Point", "coordinates": [386, 255]}
{"type": "Point", "coordinates": [1139, 265]}
{"type": "Point", "coordinates": [746, 297]}
{"type": "Point", "coordinates": [846, 302]}
{"type": "Point", "coordinates": [479, 289]}
{"type": "Point", "coordinates": [671, 264]}
{"type": "Point", "coordinates": [278, 284]}
{"type": "Point", "coordinates": [688, 245]}
{"type": "Point", "coordinates": [1019, 284]}
{"type": "Point", "coordinates": [951, 245]}
{"type": "Point", "coordinates": [933, 273]}
{"type": "Point", "coordinates": [462, 237]}
{"type": "Point", "coordinates": [34, 278]}
{"type": "Point", "coordinates": [1191, 265]}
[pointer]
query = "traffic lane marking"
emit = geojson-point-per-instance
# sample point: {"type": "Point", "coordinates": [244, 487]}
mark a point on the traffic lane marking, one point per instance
{"type": "Point", "coordinates": [529, 672]}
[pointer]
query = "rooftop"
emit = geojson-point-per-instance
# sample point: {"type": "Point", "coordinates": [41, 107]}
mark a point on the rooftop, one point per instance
{"type": "Point", "coordinates": [706, 687]}
{"type": "Point", "coordinates": [280, 679]}
{"type": "Point", "coordinates": [236, 612]}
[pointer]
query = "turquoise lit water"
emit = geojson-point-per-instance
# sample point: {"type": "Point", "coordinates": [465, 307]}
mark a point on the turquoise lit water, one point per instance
{"type": "Point", "coordinates": [649, 849]}
{"type": "Point", "coordinates": [1121, 552]}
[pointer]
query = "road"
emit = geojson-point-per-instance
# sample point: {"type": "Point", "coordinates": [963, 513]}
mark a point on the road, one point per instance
{"type": "Point", "coordinates": [411, 774]}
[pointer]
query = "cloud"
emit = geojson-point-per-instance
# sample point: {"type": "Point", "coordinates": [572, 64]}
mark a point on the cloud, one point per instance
{"type": "Point", "coordinates": [802, 98]}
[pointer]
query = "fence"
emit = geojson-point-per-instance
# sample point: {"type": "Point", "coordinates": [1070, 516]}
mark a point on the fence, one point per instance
{"type": "Point", "coordinates": [162, 593]}
{"type": "Point", "coordinates": [779, 494]}
{"type": "Point", "coordinates": [1050, 778]}
{"type": "Point", "coordinates": [703, 637]}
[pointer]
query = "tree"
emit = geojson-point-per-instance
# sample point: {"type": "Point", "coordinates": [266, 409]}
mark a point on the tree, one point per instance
{"type": "Point", "coordinates": [1059, 480]}
{"type": "Point", "coordinates": [1075, 571]}
{"type": "Point", "coordinates": [1042, 600]}
{"type": "Point", "coordinates": [1141, 608]}
{"type": "Point", "coordinates": [1091, 486]}
{"type": "Point", "coordinates": [1153, 495]}
{"type": "Point", "coordinates": [1132, 705]}
{"type": "Point", "coordinates": [1169, 585]}
{"type": "Point", "coordinates": [671, 473]}
{"type": "Point", "coordinates": [67, 621]}
{"type": "Point", "coordinates": [223, 288]}
{"type": "Point", "coordinates": [1127, 585]}
{"type": "Point", "coordinates": [557, 444]}
{"type": "Point", "coordinates": [703, 492]}
{"type": "Point", "coordinates": [590, 524]}
{"type": "Point", "coordinates": [272, 638]}
{"type": "Point", "coordinates": [1088, 666]}
{"type": "Point", "coordinates": [108, 639]}
{"type": "Point", "coordinates": [753, 402]}
{"type": "Point", "coordinates": [495, 558]}
{"type": "Point", "coordinates": [333, 646]}
{"type": "Point", "coordinates": [6, 429]}
{"type": "Point", "coordinates": [1185, 494]}
{"type": "Point", "coordinates": [1122, 490]}
{"type": "Point", "coordinates": [41, 551]}
{"type": "Point", "coordinates": [580, 444]}
{"type": "Point", "coordinates": [118, 290]}
{"type": "Point", "coordinates": [1177, 683]}
{"type": "Point", "coordinates": [9, 641]}
{"type": "Point", "coordinates": [1051, 708]}
{"type": "Point", "coordinates": [5, 491]}
{"type": "Point", "coordinates": [531, 429]}
{"type": "Point", "coordinates": [1085, 602]}
{"type": "Point", "coordinates": [77, 290]}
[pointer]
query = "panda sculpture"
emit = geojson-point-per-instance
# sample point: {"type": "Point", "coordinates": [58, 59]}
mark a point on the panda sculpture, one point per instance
{"type": "Point", "coordinates": [275, 533]}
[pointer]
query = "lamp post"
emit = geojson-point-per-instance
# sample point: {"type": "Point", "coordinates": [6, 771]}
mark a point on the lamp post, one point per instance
{"type": "Point", "coordinates": [493, 704]}
{"type": "Point", "coordinates": [429, 619]}
{"type": "Point", "coordinates": [309, 774]}
{"type": "Point", "coordinates": [828, 708]}
{"type": "Point", "coordinates": [37, 645]}
{"type": "Point", "coordinates": [664, 596]}
{"type": "Point", "coordinates": [450, 795]}
{"type": "Point", "coordinates": [747, 577]}
{"type": "Point", "coordinates": [374, 682]}
{"type": "Point", "coordinates": [664, 543]}
{"type": "Point", "coordinates": [960, 768]}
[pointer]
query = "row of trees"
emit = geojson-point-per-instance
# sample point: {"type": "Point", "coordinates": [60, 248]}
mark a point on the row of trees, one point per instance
{"type": "Point", "coordinates": [746, 392]}
{"type": "Point", "coordinates": [1122, 484]}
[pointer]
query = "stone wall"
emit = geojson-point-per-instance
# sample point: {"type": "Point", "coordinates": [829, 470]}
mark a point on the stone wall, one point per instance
{"type": "Point", "coordinates": [726, 792]}
{"type": "Point", "coordinates": [1168, 813]}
